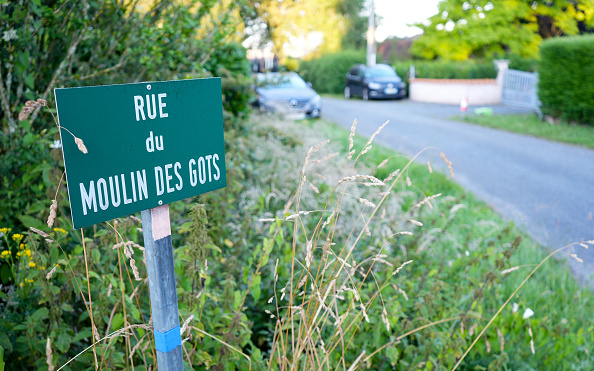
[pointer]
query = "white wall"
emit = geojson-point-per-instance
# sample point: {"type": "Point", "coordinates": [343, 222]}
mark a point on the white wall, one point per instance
{"type": "Point", "coordinates": [478, 92]}
{"type": "Point", "coordinates": [452, 91]}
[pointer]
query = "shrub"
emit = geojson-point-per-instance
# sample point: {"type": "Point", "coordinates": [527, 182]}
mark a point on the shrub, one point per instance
{"type": "Point", "coordinates": [523, 63]}
{"type": "Point", "coordinates": [566, 81]}
{"type": "Point", "coordinates": [327, 73]}
{"type": "Point", "coordinates": [43, 309]}
{"type": "Point", "coordinates": [448, 69]}
{"type": "Point", "coordinates": [119, 46]}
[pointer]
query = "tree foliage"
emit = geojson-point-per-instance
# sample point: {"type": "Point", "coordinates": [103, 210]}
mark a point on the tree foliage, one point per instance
{"type": "Point", "coordinates": [321, 26]}
{"type": "Point", "coordinates": [50, 44]}
{"type": "Point", "coordinates": [484, 29]}
{"type": "Point", "coordinates": [355, 35]}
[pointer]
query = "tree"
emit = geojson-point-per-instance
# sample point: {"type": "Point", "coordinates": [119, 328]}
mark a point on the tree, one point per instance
{"type": "Point", "coordinates": [483, 29]}
{"type": "Point", "coordinates": [317, 26]}
{"type": "Point", "coordinates": [354, 37]}
{"type": "Point", "coordinates": [314, 23]}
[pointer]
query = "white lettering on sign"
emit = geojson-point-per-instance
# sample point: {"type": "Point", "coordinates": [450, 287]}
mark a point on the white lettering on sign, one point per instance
{"type": "Point", "coordinates": [198, 169]}
{"type": "Point", "coordinates": [168, 178]}
{"type": "Point", "coordinates": [151, 107]}
{"type": "Point", "coordinates": [124, 189]}
{"type": "Point", "coordinates": [154, 142]}
{"type": "Point", "coordinates": [159, 180]}
{"type": "Point", "coordinates": [98, 191]}
{"type": "Point", "coordinates": [180, 183]}
{"type": "Point", "coordinates": [89, 200]}
{"type": "Point", "coordinates": [115, 191]}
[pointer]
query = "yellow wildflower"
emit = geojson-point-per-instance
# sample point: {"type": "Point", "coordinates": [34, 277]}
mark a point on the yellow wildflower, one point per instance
{"type": "Point", "coordinates": [29, 280]}
{"type": "Point", "coordinates": [31, 265]}
{"type": "Point", "coordinates": [22, 284]}
{"type": "Point", "coordinates": [5, 230]}
{"type": "Point", "coordinates": [60, 230]}
{"type": "Point", "coordinates": [5, 254]}
{"type": "Point", "coordinates": [17, 237]}
{"type": "Point", "coordinates": [27, 253]}
{"type": "Point", "coordinates": [22, 246]}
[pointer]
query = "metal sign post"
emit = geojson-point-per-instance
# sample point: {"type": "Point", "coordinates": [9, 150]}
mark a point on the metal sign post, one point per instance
{"type": "Point", "coordinates": [147, 145]}
{"type": "Point", "coordinates": [156, 228]}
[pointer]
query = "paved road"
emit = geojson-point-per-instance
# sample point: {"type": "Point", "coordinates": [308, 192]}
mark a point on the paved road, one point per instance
{"type": "Point", "coordinates": [546, 188]}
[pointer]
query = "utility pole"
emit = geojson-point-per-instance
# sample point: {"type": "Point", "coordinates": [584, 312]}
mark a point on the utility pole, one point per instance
{"type": "Point", "coordinates": [371, 36]}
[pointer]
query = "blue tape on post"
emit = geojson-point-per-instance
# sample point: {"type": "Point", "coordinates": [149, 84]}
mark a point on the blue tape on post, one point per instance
{"type": "Point", "coordinates": [167, 341]}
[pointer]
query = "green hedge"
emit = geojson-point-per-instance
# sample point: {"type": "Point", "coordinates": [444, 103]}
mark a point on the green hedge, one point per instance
{"type": "Point", "coordinates": [523, 63]}
{"type": "Point", "coordinates": [448, 69]}
{"type": "Point", "coordinates": [566, 78]}
{"type": "Point", "coordinates": [328, 72]}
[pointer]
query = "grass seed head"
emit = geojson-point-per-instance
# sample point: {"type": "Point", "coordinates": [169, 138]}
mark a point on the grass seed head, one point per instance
{"type": "Point", "coordinates": [448, 162]}
{"type": "Point", "coordinates": [501, 340]}
{"type": "Point", "coordinates": [49, 358]}
{"type": "Point", "coordinates": [51, 273]}
{"type": "Point", "coordinates": [351, 136]}
{"type": "Point", "coordinates": [96, 333]}
{"type": "Point", "coordinates": [81, 145]}
{"type": "Point", "coordinates": [385, 319]}
{"type": "Point", "coordinates": [576, 258]}
{"type": "Point", "coordinates": [364, 313]}
{"type": "Point", "coordinates": [41, 233]}
{"type": "Point", "coordinates": [509, 270]}
{"type": "Point", "coordinates": [383, 163]}
{"type": "Point", "coordinates": [52, 215]}
{"type": "Point", "coordinates": [376, 133]}
{"type": "Point", "coordinates": [29, 107]}
{"type": "Point", "coordinates": [135, 270]}
{"type": "Point", "coordinates": [366, 202]}
{"type": "Point", "coordinates": [391, 176]}
{"type": "Point", "coordinates": [531, 340]}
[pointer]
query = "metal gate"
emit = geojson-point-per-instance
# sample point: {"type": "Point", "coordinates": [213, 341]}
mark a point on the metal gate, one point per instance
{"type": "Point", "coordinates": [520, 89]}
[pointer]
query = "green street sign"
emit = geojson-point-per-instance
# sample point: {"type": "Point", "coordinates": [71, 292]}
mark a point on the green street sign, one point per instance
{"type": "Point", "coordinates": [149, 144]}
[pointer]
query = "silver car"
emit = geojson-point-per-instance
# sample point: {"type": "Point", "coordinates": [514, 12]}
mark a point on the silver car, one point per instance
{"type": "Point", "coordinates": [286, 93]}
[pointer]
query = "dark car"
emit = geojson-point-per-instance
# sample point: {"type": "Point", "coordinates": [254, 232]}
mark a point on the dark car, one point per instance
{"type": "Point", "coordinates": [379, 81]}
{"type": "Point", "coordinates": [286, 93]}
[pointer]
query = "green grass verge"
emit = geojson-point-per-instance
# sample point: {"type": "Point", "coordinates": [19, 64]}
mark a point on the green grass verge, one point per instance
{"type": "Point", "coordinates": [335, 96]}
{"type": "Point", "coordinates": [558, 300]}
{"type": "Point", "coordinates": [531, 125]}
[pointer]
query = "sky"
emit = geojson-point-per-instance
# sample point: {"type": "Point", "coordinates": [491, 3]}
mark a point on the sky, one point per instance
{"type": "Point", "coordinates": [397, 14]}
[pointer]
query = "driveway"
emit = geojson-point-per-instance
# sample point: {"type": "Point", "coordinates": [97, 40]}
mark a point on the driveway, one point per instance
{"type": "Point", "coordinates": [546, 188]}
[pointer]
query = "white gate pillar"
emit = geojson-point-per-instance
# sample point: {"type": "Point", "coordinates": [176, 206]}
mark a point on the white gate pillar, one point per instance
{"type": "Point", "coordinates": [502, 65]}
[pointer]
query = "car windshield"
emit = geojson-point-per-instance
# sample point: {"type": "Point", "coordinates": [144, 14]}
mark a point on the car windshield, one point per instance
{"type": "Point", "coordinates": [290, 81]}
{"type": "Point", "coordinates": [380, 72]}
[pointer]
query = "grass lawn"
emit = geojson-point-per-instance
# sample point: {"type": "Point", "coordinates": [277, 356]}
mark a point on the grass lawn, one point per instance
{"type": "Point", "coordinates": [580, 135]}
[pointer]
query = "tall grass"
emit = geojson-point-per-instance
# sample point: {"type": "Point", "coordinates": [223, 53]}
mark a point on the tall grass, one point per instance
{"type": "Point", "coordinates": [329, 266]}
{"type": "Point", "coordinates": [336, 254]}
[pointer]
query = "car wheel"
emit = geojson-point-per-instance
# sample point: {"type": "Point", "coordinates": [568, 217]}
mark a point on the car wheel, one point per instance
{"type": "Point", "coordinates": [365, 94]}
{"type": "Point", "coordinates": [347, 92]}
